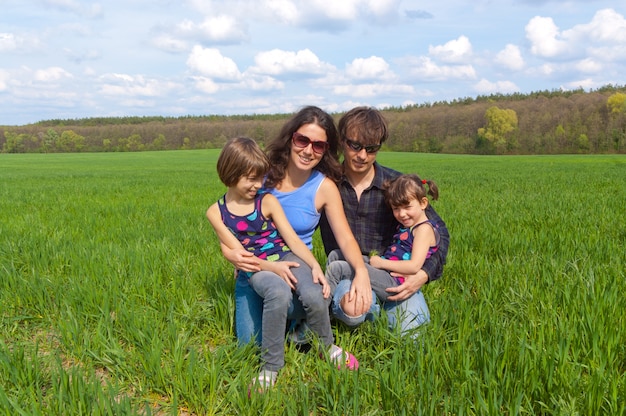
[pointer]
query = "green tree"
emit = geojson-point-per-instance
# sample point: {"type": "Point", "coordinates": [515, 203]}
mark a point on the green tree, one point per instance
{"type": "Point", "coordinates": [69, 141]}
{"type": "Point", "coordinates": [49, 140]}
{"type": "Point", "coordinates": [583, 144]}
{"type": "Point", "coordinates": [14, 143]}
{"type": "Point", "coordinates": [500, 123]}
{"type": "Point", "coordinates": [617, 103]}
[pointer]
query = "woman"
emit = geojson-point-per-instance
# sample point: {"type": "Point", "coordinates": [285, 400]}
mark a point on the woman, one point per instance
{"type": "Point", "coordinates": [304, 170]}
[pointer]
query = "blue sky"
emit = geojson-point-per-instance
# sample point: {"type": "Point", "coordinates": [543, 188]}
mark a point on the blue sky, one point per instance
{"type": "Point", "coordinates": [62, 59]}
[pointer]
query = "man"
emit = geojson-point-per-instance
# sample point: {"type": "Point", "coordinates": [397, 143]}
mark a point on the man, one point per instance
{"type": "Point", "coordinates": [362, 131]}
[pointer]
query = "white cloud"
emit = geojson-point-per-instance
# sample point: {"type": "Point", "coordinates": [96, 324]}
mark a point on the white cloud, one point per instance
{"type": "Point", "coordinates": [211, 63]}
{"type": "Point", "coordinates": [92, 10]}
{"type": "Point", "coordinates": [338, 10]}
{"type": "Point", "coordinates": [351, 10]}
{"type": "Point", "coordinates": [263, 83]}
{"type": "Point", "coordinates": [132, 86]}
{"type": "Point", "coordinates": [278, 62]}
{"type": "Point", "coordinates": [504, 87]}
{"type": "Point", "coordinates": [510, 57]}
{"type": "Point", "coordinates": [455, 51]}
{"type": "Point", "coordinates": [373, 67]}
{"type": "Point", "coordinates": [169, 43]}
{"type": "Point", "coordinates": [8, 42]}
{"type": "Point", "coordinates": [285, 10]}
{"type": "Point", "coordinates": [604, 37]}
{"type": "Point", "coordinates": [206, 85]}
{"type": "Point", "coordinates": [4, 78]}
{"type": "Point", "coordinates": [586, 83]}
{"type": "Point", "coordinates": [222, 29]}
{"type": "Point", "coordinates": [424, 68]}
{"type": "Point", "coordinates": [372, 90]}
{"type": "Point", "coordinates": [544, 37]}
{"type": "Point", "coordinates": [607, 26]}
{"type": "Point", "coordinates": [589, 66]}
{"type": "Point", "coordinates": [51, 74]}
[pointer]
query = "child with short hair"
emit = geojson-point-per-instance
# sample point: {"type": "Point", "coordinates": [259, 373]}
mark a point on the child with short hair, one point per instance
{"type": "Point", "coordinates": [253, 220]}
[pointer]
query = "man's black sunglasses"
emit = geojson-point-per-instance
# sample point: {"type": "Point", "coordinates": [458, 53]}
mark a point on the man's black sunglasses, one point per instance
{"type": "Point", "coordinates": [357, 147]}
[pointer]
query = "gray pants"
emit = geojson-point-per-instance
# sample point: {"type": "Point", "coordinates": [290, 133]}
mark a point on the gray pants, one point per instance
{"type": "Point", "coordinates": [337, 269]}
{"type": "Point", "coordinates": [277, 297]}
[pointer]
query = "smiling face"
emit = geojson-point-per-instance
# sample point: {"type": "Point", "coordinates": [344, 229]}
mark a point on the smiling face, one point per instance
{"type": "Point", "coordinates": [248, 186]}
{"type": "Point", "coordinates": [305, 158]}
{"type": "Point", "coordinates": [357, 161]}
{"type": "Point", "coordinates": [412, 213]}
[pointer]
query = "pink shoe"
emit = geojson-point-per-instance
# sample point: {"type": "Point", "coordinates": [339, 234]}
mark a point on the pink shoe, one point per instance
{"type": "Point", "coordinates": [344, 359]}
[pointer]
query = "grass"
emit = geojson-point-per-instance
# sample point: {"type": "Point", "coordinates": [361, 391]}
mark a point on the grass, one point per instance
{"type": "Point", "coordinates": [115, 299]}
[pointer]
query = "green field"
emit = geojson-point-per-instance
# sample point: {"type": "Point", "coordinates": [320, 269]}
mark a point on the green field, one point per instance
{"type": "Point", "coordinates": [115, 299]}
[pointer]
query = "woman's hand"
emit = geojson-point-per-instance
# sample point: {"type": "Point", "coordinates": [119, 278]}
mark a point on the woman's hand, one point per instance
{"type": "Point", "coordinates": [318, 277]}
{"type": "Point", "coordinates": [242, 259]}
{"type": "Point", "coordinates": [360, 295]}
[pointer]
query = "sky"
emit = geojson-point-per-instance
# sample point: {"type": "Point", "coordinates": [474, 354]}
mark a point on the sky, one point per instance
{"type": "Point", "coordinates": [72, 59]}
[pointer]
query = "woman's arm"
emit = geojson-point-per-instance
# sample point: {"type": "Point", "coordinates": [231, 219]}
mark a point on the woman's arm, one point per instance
{"type": "Point", "coordinates": [272, 209]}
{"type": "Point", "coordinates": [361, 289]}
{"type": "Point", "coordinates": [227, 239]}
{"type": "Point", "coordinates": [433, 266]}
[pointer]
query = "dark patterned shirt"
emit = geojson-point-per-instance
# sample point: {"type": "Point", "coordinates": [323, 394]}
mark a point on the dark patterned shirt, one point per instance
{"type": "Point", "coordinates": [373, 224]}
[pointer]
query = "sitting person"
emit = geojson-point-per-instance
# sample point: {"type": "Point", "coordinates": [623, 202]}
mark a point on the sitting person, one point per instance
{"type": "Point", "coordinates": [415, 240]}
{"type": "Point", "coordinates": [362, 132]}
{"type": "Point", "coordinates": [247, 219]}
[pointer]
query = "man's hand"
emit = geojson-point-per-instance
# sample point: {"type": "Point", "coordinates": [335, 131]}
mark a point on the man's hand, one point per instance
{"type": "Point", "coordinates": [412, 283]}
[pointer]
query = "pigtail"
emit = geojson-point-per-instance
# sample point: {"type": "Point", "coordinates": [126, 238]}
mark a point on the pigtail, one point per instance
{"type": "Point", "coordinates": [433, 191]}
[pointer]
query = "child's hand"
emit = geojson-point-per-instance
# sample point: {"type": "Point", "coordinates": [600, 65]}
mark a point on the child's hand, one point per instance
{"type": "Point", "coordinates": [318, 277]}
{"type": "Point", "coordinates": [376, 261]}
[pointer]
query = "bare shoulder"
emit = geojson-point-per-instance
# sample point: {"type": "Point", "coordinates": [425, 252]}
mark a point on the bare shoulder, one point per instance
{"type": "Point", "coordinates": [328, 187]}
{"type": "Point", "coordinates": [212, 210]}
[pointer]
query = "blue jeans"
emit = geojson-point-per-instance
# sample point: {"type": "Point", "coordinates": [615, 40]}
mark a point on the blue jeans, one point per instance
{"type": "Point", "coordinates": [408, 314]}
{"type": "Point", "coordinates": [249, 307]}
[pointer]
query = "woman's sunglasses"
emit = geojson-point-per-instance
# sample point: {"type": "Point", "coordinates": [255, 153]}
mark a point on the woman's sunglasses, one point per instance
{"type": "Point", "coordinates": [357, 147]}
{"type": "Point", "coordinates": [302, 141]}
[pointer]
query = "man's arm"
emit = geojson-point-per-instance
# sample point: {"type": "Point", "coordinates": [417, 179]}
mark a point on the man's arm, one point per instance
{"type": "Point", "coordinates": [433, 266]}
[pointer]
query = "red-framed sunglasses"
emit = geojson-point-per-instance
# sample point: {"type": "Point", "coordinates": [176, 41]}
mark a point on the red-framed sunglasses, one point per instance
{"type": "Point", "coordinates": [301, 141]}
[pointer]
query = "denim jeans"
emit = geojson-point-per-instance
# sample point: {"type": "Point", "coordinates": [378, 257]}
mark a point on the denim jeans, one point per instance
{"type": "Point", "coordinates": [249, 306]}
{"type": "Point", "coordinates": [408, 314]}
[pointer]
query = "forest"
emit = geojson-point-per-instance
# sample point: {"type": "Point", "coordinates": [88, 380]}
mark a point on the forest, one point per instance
{"type": "Point", "coordinates": [542, 122]}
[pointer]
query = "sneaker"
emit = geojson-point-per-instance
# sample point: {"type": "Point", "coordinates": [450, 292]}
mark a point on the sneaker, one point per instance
{"type": "Point", "coordinates": [343, 359]}
{"type": "Point", "coordinates": [263, 382]}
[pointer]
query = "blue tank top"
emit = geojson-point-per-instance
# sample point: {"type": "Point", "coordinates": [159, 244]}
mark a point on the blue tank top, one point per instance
{"type": "Point", "coordinates": [299, 207]}
{"type": "Point", "coordinates": [256, 233]}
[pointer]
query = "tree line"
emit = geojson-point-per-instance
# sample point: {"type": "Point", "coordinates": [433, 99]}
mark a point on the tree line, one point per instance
{"type": "Point", "coordinates": [542, 122]}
